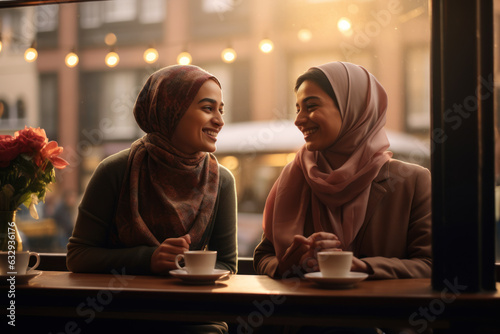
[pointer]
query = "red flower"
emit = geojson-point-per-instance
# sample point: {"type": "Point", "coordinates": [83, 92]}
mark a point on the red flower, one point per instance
{"type": "Point", "coordinates": [10, 149]}
{"type": "Point", "coordinates": [32, 141]}
{"type": "Point", "coordinates": [51, 152]}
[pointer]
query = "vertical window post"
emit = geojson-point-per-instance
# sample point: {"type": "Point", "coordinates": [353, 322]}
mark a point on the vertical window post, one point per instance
{"type": "Point", "coordinates": [462, 138]}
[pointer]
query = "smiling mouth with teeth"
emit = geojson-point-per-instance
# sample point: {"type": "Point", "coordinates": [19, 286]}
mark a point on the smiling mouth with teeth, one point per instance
{"type": "Point", "coordinates": [308, 132]}
{"type": "Point", "coordinates": [211, 133]}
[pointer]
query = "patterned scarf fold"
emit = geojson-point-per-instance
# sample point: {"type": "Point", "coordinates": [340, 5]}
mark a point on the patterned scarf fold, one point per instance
{"type": "Point", "coordinates": [166, 193]}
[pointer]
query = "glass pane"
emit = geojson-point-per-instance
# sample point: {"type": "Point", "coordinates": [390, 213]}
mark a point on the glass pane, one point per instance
{"type": "Point", "coordinates": [152, 11]}
{"type": "Point", "coordinates": [118, 11]}
{"type": "Point", "coordinates": [47, 18]}
{"type": "Point", "coordinates": [88, 108]}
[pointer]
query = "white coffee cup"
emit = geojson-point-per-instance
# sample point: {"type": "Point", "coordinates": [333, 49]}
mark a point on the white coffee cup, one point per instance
{"type": "Point", "coordinates": [17, 262]}
{"type": "Point", "coordinates": [197, 262]}
{"type": "Point", "coordinates": [334, 263]}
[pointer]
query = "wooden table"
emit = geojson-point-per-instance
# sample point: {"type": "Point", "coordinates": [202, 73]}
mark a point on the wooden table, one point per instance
{"type": "Point", "coordinates": [68, 302]}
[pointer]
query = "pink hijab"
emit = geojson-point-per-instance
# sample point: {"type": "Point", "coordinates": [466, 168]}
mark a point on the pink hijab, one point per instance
{"type": "Point", "coordinates": [309, 190]}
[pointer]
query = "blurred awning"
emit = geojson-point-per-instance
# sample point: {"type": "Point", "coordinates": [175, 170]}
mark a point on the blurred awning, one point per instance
{"type": "Point", "coordinates": [283, 136]}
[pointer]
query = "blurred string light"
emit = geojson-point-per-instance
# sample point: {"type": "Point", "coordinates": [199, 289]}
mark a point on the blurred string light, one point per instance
{"type": "Point", "coordinates": [304, 35]}
{"type": "Point", "coordinates": [1, 43]}
{"type": "Point", "coordinates": [112, 59]}
{"type": "Point", "coordinates": [71, 59]}
{"type": "Point", "coordinates": [184, 58]}
{"type": "Point", "coordinates": [230, 162]}
{"type": "Point", "coordinates": [30, 55]}
{"type": "Point", "coordinates": [266, 45]}
{"type": "Point", "coordinates": [150, 55]}
{"type": "Point", "coordinates": [344, 25]}
{"type": "Point", "coordinates": [228, 55]}
{"type": "Point", "coordinates": [110, 39]}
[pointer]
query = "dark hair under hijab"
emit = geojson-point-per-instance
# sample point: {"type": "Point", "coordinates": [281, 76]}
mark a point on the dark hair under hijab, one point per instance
{"type": "Point", "coordinates": [317, 76]}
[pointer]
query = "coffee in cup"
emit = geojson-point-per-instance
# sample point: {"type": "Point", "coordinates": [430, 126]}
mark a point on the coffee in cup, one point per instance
{"type": "Point", "coordinates": [197, 262]}
{"type": "Point", "coordinates": [16, 263]}
{"type": "Point", "coordinates": [335, 263]}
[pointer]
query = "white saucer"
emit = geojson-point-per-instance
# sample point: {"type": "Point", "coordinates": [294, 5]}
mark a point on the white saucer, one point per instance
{"type": "Point", "coordinates": [20, 279]}
{"type": "Point", "coordinates": [199, 279]}
{"type": "Point", "coordinates": [336, 282]}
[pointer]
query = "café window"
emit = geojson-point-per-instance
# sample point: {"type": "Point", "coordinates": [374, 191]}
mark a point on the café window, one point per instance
{"type": "Point", "coordinates": [47, 18]}
{"type": "Point", "coordinates": [90, 15]}
{"type": "Point", "coordinates": [48, 105]}
{"type": "Point", "coordinates": [21, 108]}
{"type": "Point", "coordinates": [4, 110]}
{"type": "Point", "coordinates": [212, 18]}
{"type": "Point", "coordinates": [95, 14]}
{"type": "Point", "coordinates": [12, 114]}
{"type": "Point", "coordinates": [132, 22]}
{"type": "Point", "coordinates": [152, 11]}
{"type": "Point", "coordinates": [45, 24]}
{"type": "Point", "coordinates": [394, 47]}
{"type": "Point", "coordinates": [124, 10]}
{"type": "Point", "coordinates": [11, 28]}
{"type": "Point", "coordinates": [109, 104]}
{"type": "Point", "coordinates": [417, 69]}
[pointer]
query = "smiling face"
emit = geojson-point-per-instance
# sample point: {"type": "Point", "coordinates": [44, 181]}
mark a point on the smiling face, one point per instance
{"type": "Point", "coordinates": [318, 117]}
{"type": "Point", "coordinates": [198, 128]}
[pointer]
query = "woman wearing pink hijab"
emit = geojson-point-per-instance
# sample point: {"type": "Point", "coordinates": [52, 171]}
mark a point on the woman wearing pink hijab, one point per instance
{"type": "Point", "coordinates": [344, 191]}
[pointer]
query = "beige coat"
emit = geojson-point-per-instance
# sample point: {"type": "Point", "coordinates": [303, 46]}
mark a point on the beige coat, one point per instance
{"type": "Point", "coordinates": [395, 238]}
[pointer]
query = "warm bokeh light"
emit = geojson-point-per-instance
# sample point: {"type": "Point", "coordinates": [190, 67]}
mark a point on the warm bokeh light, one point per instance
{"type": "Point", "coordinates": [71, 59]}
{"type": "Point", "coordinates": [344, 24]}
{"type": "Point", "coordinates": [112, 59]}
{"type": "Point", "coordinates": [30, 55]}
{"type": "Point", "coordinates": [110, 39]}
{"type": "Point", "coordinates": [266, 45]}
{"type": "Point", "coordinates": [290, 157]}
{"type": "Point", "coordinates": [150, 55]}
{"type": "Point", "coordinates": [304, 35]}
{"type": "Point", "coordinates": [230, 162]}
{"type": "Point", "coordinates": [276, 159]}
{"type": "Point", "coordinates": [353, 9]}
{"type": "Point", "coordinates": [228, 55]}
{"type": "Point", "coordinates": [1, 45]}
{"type": "Point", "coordinates": [184, 58]}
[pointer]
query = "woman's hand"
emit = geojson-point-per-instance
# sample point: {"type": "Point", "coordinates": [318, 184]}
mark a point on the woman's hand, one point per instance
{"type": "Point", "coordinates": [359, 266]}
{"type": "Point", "coordinates": [302, 253]}
{"type": "Point", "coordinates": [163, 258]}
{"type": "Point", "coordinates": [324, 242]}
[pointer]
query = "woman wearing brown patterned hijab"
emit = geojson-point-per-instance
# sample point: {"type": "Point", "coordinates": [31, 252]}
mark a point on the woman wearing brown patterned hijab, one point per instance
{"type": "Point", "coordinates": [167, 193]}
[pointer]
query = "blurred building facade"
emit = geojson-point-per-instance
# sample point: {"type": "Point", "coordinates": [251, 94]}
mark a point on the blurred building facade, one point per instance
{"type": "Point", "coordinates": [87, 108]}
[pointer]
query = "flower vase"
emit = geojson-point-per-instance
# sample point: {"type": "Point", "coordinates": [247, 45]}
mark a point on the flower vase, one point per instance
{"type": "Point", "coordinates": [10, 239]}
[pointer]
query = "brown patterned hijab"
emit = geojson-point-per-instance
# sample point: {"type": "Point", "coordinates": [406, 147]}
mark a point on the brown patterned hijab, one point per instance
{"type": "Point", "coordinates": [166, 193]}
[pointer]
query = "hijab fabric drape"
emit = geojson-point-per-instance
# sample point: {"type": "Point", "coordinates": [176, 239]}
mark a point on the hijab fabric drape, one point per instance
{"type": "Point", "coordinates": [309, 190]}
{"type": "Point", "coordinates": [166, 193]}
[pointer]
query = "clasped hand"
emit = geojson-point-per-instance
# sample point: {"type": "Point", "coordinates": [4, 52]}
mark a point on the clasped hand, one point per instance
{"type": "Point", "coordinates": [163, 259]}
{"type": "Point", "coordinates": [302, 253]}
